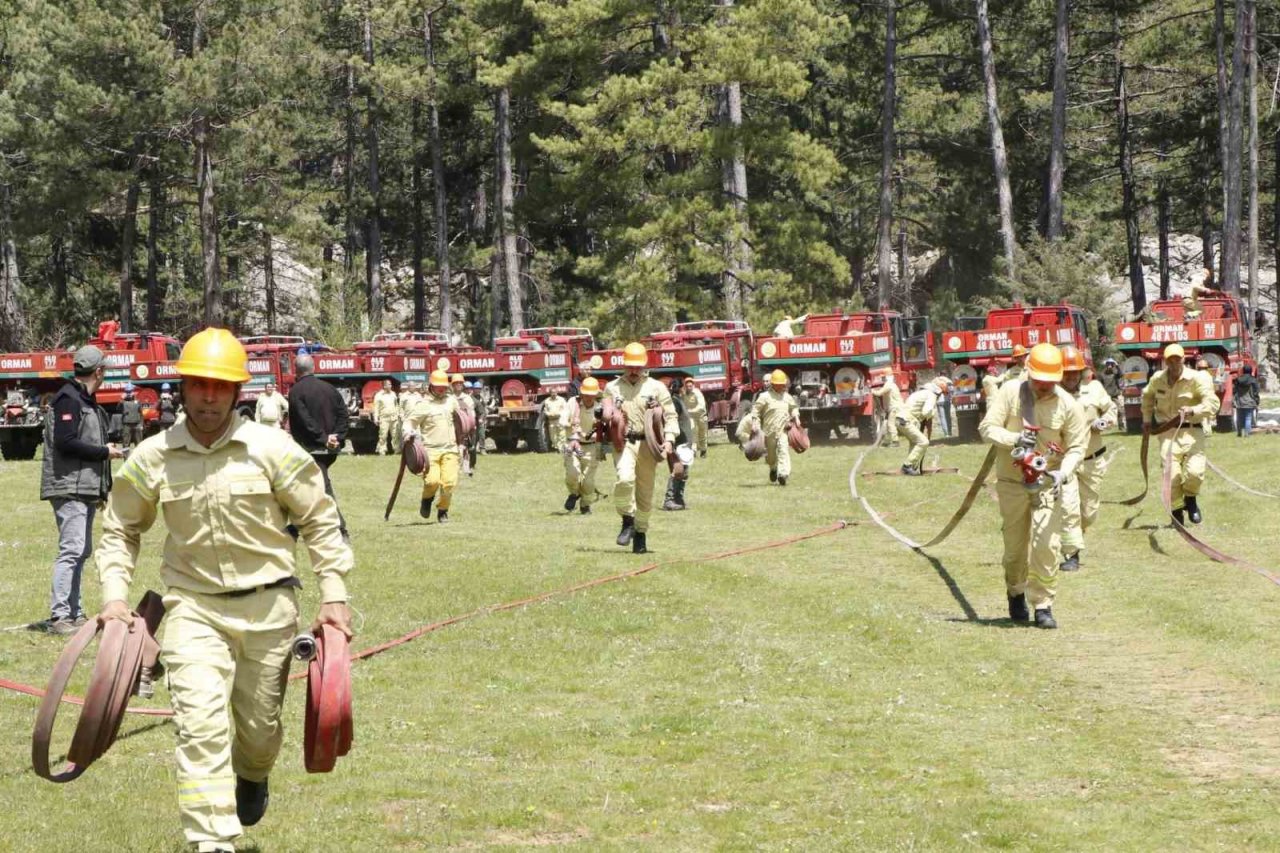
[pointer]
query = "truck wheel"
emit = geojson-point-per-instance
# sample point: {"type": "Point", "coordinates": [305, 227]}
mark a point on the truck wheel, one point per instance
{"type": "Point", "coordinates": [16, 447]}
{"type": "Point", "coordinates": [967, 426]}
{"type": "Point", "coordinates": [1133, 426]}
{"type": "Point", "coordinates": [537, 440]}
{"type": "Point", "coordinates": [1224, 423]}
{"type": "Point", "coordinates": [505, 442]}
{"type": "Point", "coordinates": [363, 445]}
{"type": "Point", "coordinates": [866, 425]}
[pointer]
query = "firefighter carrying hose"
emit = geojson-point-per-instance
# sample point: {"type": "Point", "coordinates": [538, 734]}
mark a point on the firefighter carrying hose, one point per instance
{"type": "Point", "coordinates": [582, 451]}
{"type": "Point", "coordinates": [432, 419]}
{"type": "Point", "coordinates": [226, 487]}
{"type": "Point", "coordinates": [1045, 433]}
{"type": "Point", "coordinates": [776, 410]}
{"type": "Point", "coordinates": [915, 416]}
{"type": "Point", "coordinates": [1185, 399]}
{"type": "Point", "coordinates": [1081, 495]}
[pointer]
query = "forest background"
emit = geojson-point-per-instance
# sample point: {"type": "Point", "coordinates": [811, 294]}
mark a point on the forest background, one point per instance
{"type": "Point", "coordinates": [481, 165]}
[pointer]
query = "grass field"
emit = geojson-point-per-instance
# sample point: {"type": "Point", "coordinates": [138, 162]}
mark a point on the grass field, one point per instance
{"type": "Point", "coordinates": [842, 693]}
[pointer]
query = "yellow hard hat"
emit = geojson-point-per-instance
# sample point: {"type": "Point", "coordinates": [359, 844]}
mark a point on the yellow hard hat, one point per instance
{"type": "Point", "coordinates": [457, 377]}
{"type": "Point", "coordinates": [635, 355]}
{"type": "Point", "coordinates": [1019, 350]}
{"type": "Point", "coordinates": [439, 379]}
{"type": "Point", "coordinates": [777, 378]}
{"type": "Point", "coordinates": [590, 387]}
{"type": "Point", "coordinates": [214, 354]}
{"type": "Point", "coordinates": [1174, 351]}
{"type": "Point", "coordinates": [1072, 358]}
{"type": "Point", "coordinates": [1044, 363]}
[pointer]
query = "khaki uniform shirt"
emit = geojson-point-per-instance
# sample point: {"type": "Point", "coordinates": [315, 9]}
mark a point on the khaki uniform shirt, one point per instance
{"type": "Point", "coordinates": [891, 395]}
{"type": "Point", "coordinates": [775, 411]}
{"type": "Point", "coordinates": [385, 406]}
{"type": "Point", "coordinates": [271, 408]}
{"type": "Point", "coordinates": [553, 408]}
{"type": "Point", "coordinates": [579, 421]}
{"type": "Point", "coordinates": [1194, 388]}
{"type": "Point", "coordinates": [226, 508]}
{"type": "Point", "coordinates": [1097, 405]}
{"type": "Point", "coordinates": [695, 404]}
{"type": "Point", "coordinates": [1060, 418]}
{"type": "Point", "coordinates": [408, 400]}
{"type": "Point", "coordinates": [922, 405]}
{"type": "Point", "coordinates": [466, 401]}
{"type": "Point", "coordinates": [432, 418]}
{"type": "Point", "coordinates": [633, 399]}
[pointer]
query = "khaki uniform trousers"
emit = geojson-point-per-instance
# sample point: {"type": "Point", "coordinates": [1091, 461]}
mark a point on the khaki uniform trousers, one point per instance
{"type": "Point", "coordinates": [441, 477]}
{"type": "Point", "coordinates": [890, 437]}
{"type": "Point", "coordinates": [220, 650]}
{"type": "Point", "coordinates": [558, 434]}
{"type": "Point", "coordinates": [699, 432]}
{"type": "Point", "coordinates": [1081, 497]}
{"type": "Point", "coordinates": [919, 441]}
{"type": "Point", "coordinates": [1189, 462]}
{"type": "Point", "coordinates": [388, 431]}
{"type": "Point", "coordinates": [1032, 542]}
{"type": "Point", "coordinates": [633, 492]}
{"type": "Point", "coordinates": [580, 472]}
{"type": "Point", "coordinates": [778, 453]}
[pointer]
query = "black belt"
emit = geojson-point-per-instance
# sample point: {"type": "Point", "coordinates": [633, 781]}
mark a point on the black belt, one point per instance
{"type": "Point", "coordinates": [290, 582]}
{"type": "Point", "coordinates": [1094, 455]}
{"type": "Point", "coordinates": [635, 436]}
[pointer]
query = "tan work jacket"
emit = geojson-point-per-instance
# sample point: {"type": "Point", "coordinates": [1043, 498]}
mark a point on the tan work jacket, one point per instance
{"type": "Point", "coordinates": [775, 411]}
{"type": "Point", "coordinates": [1193, 389]}
{"type": "Point", "coordinates": [1061, 421]}
{"type": "Point", "coordinates": [432, 418]}
{"type": "Point", "coordinates": [633, 399]}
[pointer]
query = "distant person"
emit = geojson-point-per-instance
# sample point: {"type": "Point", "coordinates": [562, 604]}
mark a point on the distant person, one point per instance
{"type": "Point", "coordinates": [695, 405]}
{"type": "Point", "coordinates": [167, 407]}
{"type": "Point", "coordinates": [1247, 394]}
{"type": "Point", "coordinates": [784, 328]}
{"type": "Point", "coordinates": [1113, 383]}
{"type": "Point", "coordinates": [776, 410]}
{"type": "Point", "coordinates": [75, 477]}
{"type": "Point", "coordinates": [272, 408]}
{"type": "Point", "coordinates": [916, 417]}
{"type": "Point", "coordinates": [131, 418]}
{"type": "Point", "coordinates": [319, 420]}
{"type": "Point", "coordinates": [552, 408]}
{"type": "Point", "coordinates": [386, 415]}
{"type": "Point", "coordinates": [1191, 305]}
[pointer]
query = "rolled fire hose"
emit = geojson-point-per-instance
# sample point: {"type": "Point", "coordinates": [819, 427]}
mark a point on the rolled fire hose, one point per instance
{"type": "Point", "coordinates": [329, 727]}
{"type": "Point", "coordinates": [654, 430]}
{"type": "Point", "coordinates": [798, 438]}
{"type": "Point", "coordinates": [412, 457]}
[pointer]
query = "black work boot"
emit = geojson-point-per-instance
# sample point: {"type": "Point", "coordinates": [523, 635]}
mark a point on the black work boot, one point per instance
{"type": "Point", "coordinates": [1193, 510]}
{"type": "Point", "coordinates": [679, 493]}
{"type": "Point", "coordinates": [910, 471]}
{"type": "Point", "coordinates": [773, 475]}
{"type": "Point", "coordinates": [424, 508]}
{"type": "Point", "coordinates": [670, 503]}
{"type": "Point", "coordinates": [570, 502]}
{"type": "Point", "coordinates": [1178, 517]}
{"type": "Point", "coordinates": [1018, 608]}
{"type": "Point", "coordinates": [782, 481]}
{"type": "Point", "coordinates": [638, 544]}
{"type": "Point", "coordinates": [251, 800]}
{"type": "Point", "coordinates": [628, 530]}
{"type": "Point", "coordinates": [584, 510]}
{"type": "Point", "coordinates": [442, 516]}
{"type": "Point", "coordinates": [1071, 563]}
{"type": "Point", "coordinates": [1044, 618]}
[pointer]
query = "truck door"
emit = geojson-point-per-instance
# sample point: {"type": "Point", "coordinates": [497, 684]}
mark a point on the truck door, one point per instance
{"type": "Point", "coordinates": [911, 335]}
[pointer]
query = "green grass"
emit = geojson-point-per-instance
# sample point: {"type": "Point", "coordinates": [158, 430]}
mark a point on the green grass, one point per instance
{"type": "Point", "coordinates": [830, 695]}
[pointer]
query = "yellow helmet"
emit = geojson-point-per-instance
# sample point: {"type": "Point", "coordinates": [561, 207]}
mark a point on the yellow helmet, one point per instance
{"type": "Point", "coordinates": [1044, 363]}
{"type": "Point", "coordinates": [635, 355]}
{"type": "Point", "coordinates": [1174, 351]}
{"type": "Point", "coordinates": [1072, 358]}
{"type": "Point", "coordinates": [214, 354]}
{"type": "Point", "coordinates": [590, 387]}
{"type": "Point", "coordinates": [777, 378]}
{"type": "Point", "coordinates": [439, 379]}
{"type": "Point", "coordinates": [457, 377]}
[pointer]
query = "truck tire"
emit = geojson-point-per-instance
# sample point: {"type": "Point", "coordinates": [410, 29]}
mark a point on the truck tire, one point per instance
{"type": "Point", "coordinates": [363, 444]}
{"type": "Point", "coordinates": [967, 426]}
{"type": "Point", "coordinates": [866, 425]}
{"type": "Point", "coordinates": [1133, 426]}
{"type": "Point", "coordinates": [505, 442]}
{"type": "Point", "coordinates": [1224, 423]}
{"type": "Point", "coordinates": [537, 438]}
{"type": "Point", "coordinates": [17, 447]}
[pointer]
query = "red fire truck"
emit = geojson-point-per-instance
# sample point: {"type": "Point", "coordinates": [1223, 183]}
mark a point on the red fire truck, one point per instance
{"type": "Point", "coordinates": [834, 361]}
{"type": "Point", "coordinates": [28, 381]}
{"type": "Point", "coordinates": [1219, 334]}
{"type": "Point", "coordinates": [982, 342]}
{"type": "Point", "coordinates": [717, 354]}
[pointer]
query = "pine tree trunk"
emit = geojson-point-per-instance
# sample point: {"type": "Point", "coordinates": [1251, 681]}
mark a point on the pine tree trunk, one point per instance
{"type": "Point", "coordinates": [495, 293]}
{"type": "Point", "coordinates": [211, 272]}
{"type": "Point", "coordinates": [269, 279]}
{"type": "Point", "coordinates": [155, 296]}
{"type": "Point", "coordinates": [373, 249]}
{"type": "Point", "coordinates": [13, 321]}
{"type": "Point", "coordinates": [352, 240]}
{"type": "Point", "coordinates": [328, 302]}
{"type": "Point", "coordinates": [58, 266]}
{"type": "Point", "coordinates": [1219, 38]}
{"type": "Point", "coordinates": [888, 151]}
{"type": "Point", "coordinates": [1164, 221]}
{"type": "Point", "coordinates": [437, 177]}
{"type": "Point", "coordinates": [1235, 145]}
{"type": "Point", "coordinates": [1004, 193]}
{"type": "Point", "coordinates": [1207, 253]}
{"type": "Point", "coordinates": [1251, 46]}
{"type": "Point", "coordinates": [1058, 132]}
{"type": "Point", "coordinates": [738, 261]}
{"type": "Point", "coordinates": [128, 235]}
{"type": "Point", "coordinates": [1133, 239]}
{"type": "Point", "coordinates": [419, 243]}
{"type": "Point", "coordinates": [904, 286]}
{"type": "Point", "coordinates": [508, 237]}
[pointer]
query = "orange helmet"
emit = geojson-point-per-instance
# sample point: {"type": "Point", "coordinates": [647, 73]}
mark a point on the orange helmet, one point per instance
{"type": "Point", "coordinates": [1044, 363]}
{"type": "Point", "coordinates": [590, 387]}
{"type": "Point", "coordinates": [457, 377]}
{"type": "Point", "coordinates": [1019, 350]}
{"type": "Point", "coordinates": [1072, 358]}
{"type": "Point", "coordinates": [635, 355]}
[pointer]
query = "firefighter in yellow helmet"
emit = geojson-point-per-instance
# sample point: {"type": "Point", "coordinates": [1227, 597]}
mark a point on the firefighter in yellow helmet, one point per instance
{"type": "Point", "coordinates": [775, 409]}
{"type": "Point", "coordinates": [1184, 407]}
{"type": "Point", "coordinates": [888, 397]}
{"type": "Point", "coordinates": [1042, 432]}
{"type": "Point", "coordinates": [634, 392]}
{"type": "Point", "coordinates": [226, 488]}
{"type": "Point", "coordinates": [915, 416]}
{"type": "Point", "coordinates": [1081, 495]}
{"type": "Point", "coordinates": [432, 419]}
{"type": "Point", "coordinates": [386, 415]}
{"type": "Point", "coordinates": [582, 452]}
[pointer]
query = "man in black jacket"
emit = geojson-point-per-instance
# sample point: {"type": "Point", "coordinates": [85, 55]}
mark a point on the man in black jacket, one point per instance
{"type": "Point", "coordinates": [75, 477]}
{"type": "Point", "coordinates": [1246, 395]}
{"type": "Point", "coordinates": [318, 420]}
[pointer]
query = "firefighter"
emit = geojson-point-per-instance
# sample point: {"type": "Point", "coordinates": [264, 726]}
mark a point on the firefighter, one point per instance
{"type": "Point", "coordinates": [1191, 305]}
{"type": "Point", "coordinates": [131, 417]}
{"type": "Point", "coordinates": [432, 419]}
{"type": "Point", "coordinates": [685, 452]}
{"type": "Point", "coordinates": [1032, 512]}
{"type": "Point", "coordinates": [1081, 494]}
{"type": "Point", "coordinates": [272, 408]}
{"type": "Point", "coordinates": [776, 410]}
{"type": "Point", "coordinates": [409, 397]}
{"type": "Point", "coordinates": [225, 487]}
{"type": "Point", "coordinates": [167, 407]}
{"type": "Point", "coordinates": [633, 393]}
{"type": "Point", "coordinates": [991, 380]}
{"type": "Point", "coordinates": [482, 419]}
{"type": "Point", "coordinates": [695, 406]}
{"type": "Point", "coordinates": [1186, 398]}
{"type": "Point", "coordinates": [888, 398]}
{"type": "Point", "coordinates": [462, 394]}
{"type": "Point", "coordinates": [784, 328]}
{"type": "Point", "coordinates": [916, 416]}
{"type": "Point", "coordinates": [1113, 381]}
{"type": "Point", "coordinates": [582, 452]}
{"type": "Point", "coordinates": [552, 411]}
{"type": "Point", "coordinates": [1017, 365]}
{"type": "Point", "coordinates": [386, 414]}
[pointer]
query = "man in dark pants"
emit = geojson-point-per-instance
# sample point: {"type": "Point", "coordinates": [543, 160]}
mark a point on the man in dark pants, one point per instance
{"type": "Point", "coordinates": [318, 420]}
{"type": "Point", "coordinates": [131, 417]}
{"type": "Point", "coordinates": [1246, 394]}
{"type": "Point", "coordinates": [75, 478]}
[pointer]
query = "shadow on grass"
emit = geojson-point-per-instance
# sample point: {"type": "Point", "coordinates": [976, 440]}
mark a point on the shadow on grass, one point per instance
{"type": "Point", "coordinates": [1155, 545]}
{"type": "Point", "coordinates": [970, 615]}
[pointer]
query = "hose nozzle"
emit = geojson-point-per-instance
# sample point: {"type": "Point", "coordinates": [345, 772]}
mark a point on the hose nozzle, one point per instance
{"type": "Point", "coordinates": [304, 646]}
